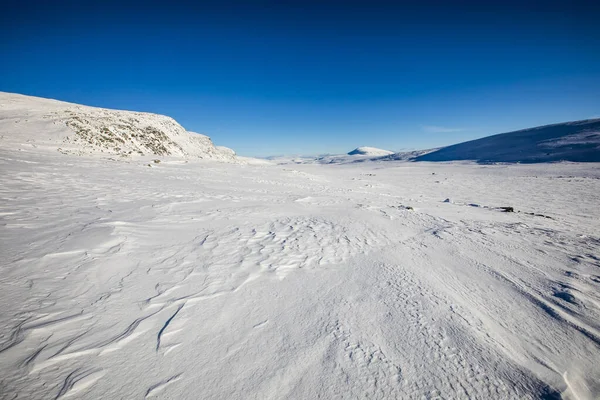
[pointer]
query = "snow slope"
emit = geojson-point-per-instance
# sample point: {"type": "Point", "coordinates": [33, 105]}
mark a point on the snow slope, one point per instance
{"type": "Point", "coordinates": [32, 122]}
{"type": "Point", "coordinates": [577, 141]}
{"type": "Point", "coordinates": [228, 281]}
{"type": "Point", "coordinates": [408, 155]}
{"type": "Point", "coordinates": [369, 151]}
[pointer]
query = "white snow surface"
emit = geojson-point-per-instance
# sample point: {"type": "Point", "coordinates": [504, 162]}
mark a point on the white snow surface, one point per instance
{"type": "Point", "coordinates": [31, 122]}
{"type": "Point", "coordinates": [369, 151]}
{"type": "Point", "coordinates": [201, 279]}
{"type": "Point", "coordinates": [213, 280]}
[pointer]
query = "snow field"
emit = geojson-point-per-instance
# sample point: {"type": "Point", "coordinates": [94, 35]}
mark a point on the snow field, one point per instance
{"type": "Point", "coordinates": [211, 280]}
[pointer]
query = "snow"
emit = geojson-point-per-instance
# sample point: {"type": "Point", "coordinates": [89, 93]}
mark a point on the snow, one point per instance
{"type": "Point", "coordinates": [226, 150]}
{"type": "Point", "coordinates": [369, 151]}
{"type": "Point", "coordinates": [577, 141]}
{"type": "Point", "coordinates": [202, 279]}
{"type": "Point", "coordinates": [409, 155]}
{"type": "Point", "coordinates": [358, 155]}
{"type": "Point", "coordinates": [32, 122]}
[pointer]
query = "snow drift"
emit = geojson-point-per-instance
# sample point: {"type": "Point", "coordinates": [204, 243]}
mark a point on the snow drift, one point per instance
{"type": "Point", "coordinates": [577, 141]}
{"type": "Point", "coordinates": [299, 282]}
{"type": "Point", "coordinates": [33, 122]}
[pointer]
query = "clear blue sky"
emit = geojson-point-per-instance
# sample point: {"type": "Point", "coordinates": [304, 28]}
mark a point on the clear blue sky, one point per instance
{"type": "Point", "coordinates": [292, 77]}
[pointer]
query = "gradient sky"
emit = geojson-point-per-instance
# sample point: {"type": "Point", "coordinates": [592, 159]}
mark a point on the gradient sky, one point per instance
{"type": "Point", "coordinates": [291, 77]}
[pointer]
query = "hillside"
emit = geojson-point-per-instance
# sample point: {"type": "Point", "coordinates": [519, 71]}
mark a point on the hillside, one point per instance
{"type": "Point", "coordinates": [31, 122]}
{"type": "Point", "coordinates": [577, 141]}
{"type": "Point", "coordinates": [369, 151]}
{"type": "Point", "coordinates": [408, 155]}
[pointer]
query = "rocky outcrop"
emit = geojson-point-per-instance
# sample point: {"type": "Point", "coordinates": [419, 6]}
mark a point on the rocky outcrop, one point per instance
{"type": "Point", "coordinates": [74, 129]}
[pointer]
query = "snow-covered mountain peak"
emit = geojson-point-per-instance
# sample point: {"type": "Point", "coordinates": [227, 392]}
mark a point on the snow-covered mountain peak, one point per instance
{"type": "Point", "coordinates": [369, 151]}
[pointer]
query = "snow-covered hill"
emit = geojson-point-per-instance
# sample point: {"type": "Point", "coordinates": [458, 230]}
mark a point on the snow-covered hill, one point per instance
{"type": "Point", "coordinates": [408, 155]}
{"type": "Point", "coordinates": [31, 122]}
{"type": "Point", "coordinates": [577, 141]}
{"type": "Point", "coordinates": [369, 151]}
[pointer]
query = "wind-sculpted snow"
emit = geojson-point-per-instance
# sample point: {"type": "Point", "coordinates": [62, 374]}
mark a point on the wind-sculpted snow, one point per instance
{"type": "Point", "coordinates": [212, 280]}
{"type": "Point", "coordinates": [31, 122]}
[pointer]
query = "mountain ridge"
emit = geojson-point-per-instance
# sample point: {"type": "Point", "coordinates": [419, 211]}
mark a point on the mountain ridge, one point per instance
{"type": "Point", "coordinates": [576, 141]}
{"type": "Point", "coordinates": [369, 151]}
{"type": "Point", "coordinates": [34, 122]}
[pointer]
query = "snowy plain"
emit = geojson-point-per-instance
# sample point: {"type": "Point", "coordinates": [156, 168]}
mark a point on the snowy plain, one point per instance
{"type": "Point", "coordinates": [139, 260]}
{"type": "Point", "coordinates": [209, 280]}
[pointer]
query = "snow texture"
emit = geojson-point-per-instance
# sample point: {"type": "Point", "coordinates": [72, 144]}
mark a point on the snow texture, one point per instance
{"type": "Point", "coordinates": [213, 280]}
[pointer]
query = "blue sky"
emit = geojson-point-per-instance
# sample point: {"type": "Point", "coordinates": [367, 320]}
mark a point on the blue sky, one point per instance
{"type": "Point", "coordinates": [268, 78]}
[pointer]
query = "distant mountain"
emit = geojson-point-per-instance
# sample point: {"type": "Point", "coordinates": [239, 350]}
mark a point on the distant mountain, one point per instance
{"type": "Point", "coordinates": [31, 122]}
{"type": "Point", "coordinates": [577, 141]}
{"type": "Point", "coordinates": [369, 151]}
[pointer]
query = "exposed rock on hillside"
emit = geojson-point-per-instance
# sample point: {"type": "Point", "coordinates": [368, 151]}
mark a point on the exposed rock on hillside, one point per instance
{"type": "Point", "coordinates": [74, 129]}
